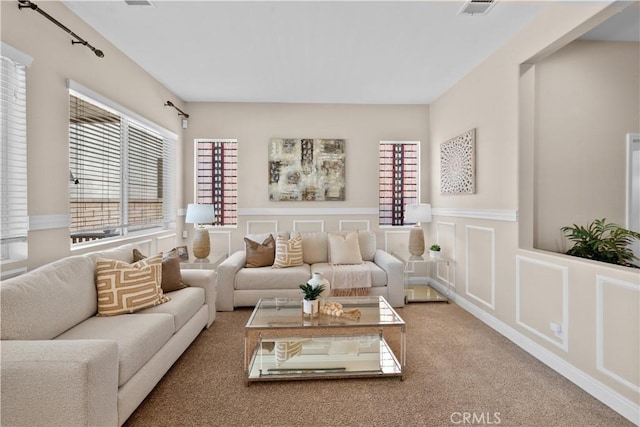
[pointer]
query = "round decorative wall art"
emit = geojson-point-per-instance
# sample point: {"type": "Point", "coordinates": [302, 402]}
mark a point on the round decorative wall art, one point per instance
{"type": "Point", "coordinates": [457, 164]}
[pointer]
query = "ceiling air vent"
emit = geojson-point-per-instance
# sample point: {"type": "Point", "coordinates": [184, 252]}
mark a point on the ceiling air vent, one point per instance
{"type": "Point", "coordinates": [476, 7]}
{"type": "Point", "coordinates": [138, 3]}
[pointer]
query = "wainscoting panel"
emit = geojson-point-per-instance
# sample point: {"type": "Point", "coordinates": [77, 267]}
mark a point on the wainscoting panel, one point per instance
{"type": "Point", "coordinates": [220, 242]}
{"type": "Point", "coordinates": [308, 226]}
{"type": "Point", "coordinates": [262, 226]}
{"type": "Point", "coordinates": [396, 241]}
{"type": "Point", "coordinates": [542, 297]}
{"type": "Point", "coordinates": [446, 238]}
{"type": "Point", "coordinates": [149, 246]}
{"type": "Point", "coordinates": [166, 243]}
{"type": "Point", "coordinates": [354, 224]}
{"type": "Point", "coordinates": [481, 268]}
{"type": "Point", "coordinates": [618, 330]}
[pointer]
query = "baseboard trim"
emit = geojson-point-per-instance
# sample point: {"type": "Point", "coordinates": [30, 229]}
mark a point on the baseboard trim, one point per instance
{"type": "Point", "coordinates": [597, 389]}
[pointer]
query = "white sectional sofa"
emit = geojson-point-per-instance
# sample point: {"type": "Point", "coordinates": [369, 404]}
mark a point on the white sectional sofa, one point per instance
{"type": "Point", "coordinates": [64, 366]}
{"type": "Point", "coordinates": [240, 286]}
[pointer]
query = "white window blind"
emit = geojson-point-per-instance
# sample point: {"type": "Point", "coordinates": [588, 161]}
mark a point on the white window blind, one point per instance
{"type": "Point", "coordinates": [122, 173]}
{"type": "Point", "coordinates": [13, 111]}
{"type": "Point", "coordinates": [399, 167]}
{"type": "Point", "coordinates": [217, 178]}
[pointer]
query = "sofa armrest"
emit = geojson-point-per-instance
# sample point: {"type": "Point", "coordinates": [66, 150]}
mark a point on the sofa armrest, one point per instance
{"type": "Point", "coordinates": [395, 276]}
{"type": "Point", "coordinates": [59, 382]}
{"type": "Point", "coordinates": [205, 279]}
{"type": "Point", "coordinates": [227, 271]}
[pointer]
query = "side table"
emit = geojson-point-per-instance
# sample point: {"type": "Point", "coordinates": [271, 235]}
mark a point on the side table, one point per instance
{"type": "Point", "coordinates": [423, 292]}
{"type": "Point", "coordinates": [209, 263]}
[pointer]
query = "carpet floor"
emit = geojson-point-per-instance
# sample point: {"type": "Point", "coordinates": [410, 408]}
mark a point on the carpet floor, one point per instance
{"type": "Point", "coordinates": [459, 372]}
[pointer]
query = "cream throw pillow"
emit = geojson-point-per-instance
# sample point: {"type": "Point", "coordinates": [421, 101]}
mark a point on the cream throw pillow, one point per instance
{"type": "Point", "coordinates": [126, 288]}
{"type": "Point", "coordinates": [288, 251]}
{"type": "Point", "coordinates": [344, 249]}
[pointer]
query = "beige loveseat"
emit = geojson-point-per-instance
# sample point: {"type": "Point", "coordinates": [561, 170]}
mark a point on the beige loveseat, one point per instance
{"type": "Point", "coordinates": [239, 286]}
{"type": "Point", "coordinates": [64, 366]}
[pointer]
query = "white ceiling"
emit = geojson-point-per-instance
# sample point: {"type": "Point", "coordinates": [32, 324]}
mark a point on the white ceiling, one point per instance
{"type": "Point", "coordinates": [396, 52]}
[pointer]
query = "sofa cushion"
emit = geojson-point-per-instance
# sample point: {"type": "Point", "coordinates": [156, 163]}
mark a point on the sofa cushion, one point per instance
{"type": "Point", "coordinates": [47, 301]}
{"type": "Point", "coordinates": [260, 254]}
{"type": "Point", "coordinates": [270, 278]}
{"type": "Point", "coordinates": [344, 249]}
{"type": "Point", "coordinates": [126, 288]}
{"type": "Point", "coordinates": [139, 337]}
{"type": "Point", "coordinates": [315, 247]}
{"type": "Point", "coordinates": [121, 253]}
{"type": "Point", "coordinates": [288, 251]}
{"type": "Point", "coordinates": [171, 276]}
{"type": "Point", "coordinates": [183, 305]}
{"type": "Point", "coordinates": [368, 245]}
{"type": "Point", "coordinates": [378, 275]}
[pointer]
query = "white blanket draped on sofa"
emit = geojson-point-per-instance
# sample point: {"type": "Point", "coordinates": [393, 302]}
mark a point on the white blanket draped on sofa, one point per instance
{"type": "Point", "coordinates": [350, 280]}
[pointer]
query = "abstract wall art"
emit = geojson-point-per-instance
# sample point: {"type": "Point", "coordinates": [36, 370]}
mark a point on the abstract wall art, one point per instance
{"type": "Point", "coordinates": [457, 164]}
{"type": "Point", "coordinates": [306, 169]}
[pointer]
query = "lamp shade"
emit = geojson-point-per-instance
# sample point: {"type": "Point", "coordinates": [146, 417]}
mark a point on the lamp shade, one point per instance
{"type": "Point", "coordinates": [415, 214]}
{"type": "Point", "coordinates": [199, 214]}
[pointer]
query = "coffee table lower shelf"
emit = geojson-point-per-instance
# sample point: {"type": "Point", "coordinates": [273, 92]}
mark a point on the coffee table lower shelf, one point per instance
{"type": "Point", "coordinates": [324, 357]}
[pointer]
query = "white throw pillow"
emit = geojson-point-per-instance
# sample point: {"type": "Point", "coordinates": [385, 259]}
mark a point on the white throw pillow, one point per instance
{"type": "Point", "coordinates": [344, 249]}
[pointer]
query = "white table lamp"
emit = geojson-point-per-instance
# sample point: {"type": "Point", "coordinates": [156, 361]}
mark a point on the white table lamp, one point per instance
{"type": "Point", "coordinates": [200, 214]}
{"type": "Point", "coordinates": [417, 214]}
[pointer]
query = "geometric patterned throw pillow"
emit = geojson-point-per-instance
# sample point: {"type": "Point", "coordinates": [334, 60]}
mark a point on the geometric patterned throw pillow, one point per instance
{"type": "Point", "coordinates": [288, 251]}
{"type": "Point", "coordinates": [285, 350]}
{"type": "Point", "coordinates": [126, 288]}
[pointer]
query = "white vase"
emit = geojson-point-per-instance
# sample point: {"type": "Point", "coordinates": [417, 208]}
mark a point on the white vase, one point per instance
{"type": "Point", "coordinates": [318, 279]}
{"type": "Point", "coordinates": [310, 307]}
{"type": "Point", "coordinates": [434, 254]}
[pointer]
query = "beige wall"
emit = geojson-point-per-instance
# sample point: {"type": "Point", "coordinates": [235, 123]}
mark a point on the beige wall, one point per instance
{"type": "Point", "coordinates": [253, 125]}
{"type": "Point", "coordinates": [587, 101]}
{"type": "Point", "coordinates": [498, 277]}
{"type": "Point", "coordinates": [54, 61]}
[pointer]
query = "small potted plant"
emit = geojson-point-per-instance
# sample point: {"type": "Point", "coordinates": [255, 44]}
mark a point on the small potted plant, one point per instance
{"type": "Point", "coordinates": [310, 302]}
{"type": "Point", "coordinates": [434, 250]}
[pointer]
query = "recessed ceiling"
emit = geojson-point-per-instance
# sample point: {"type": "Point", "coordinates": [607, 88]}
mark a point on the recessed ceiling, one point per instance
{"type": "Point", "coordinates": [397, 52]}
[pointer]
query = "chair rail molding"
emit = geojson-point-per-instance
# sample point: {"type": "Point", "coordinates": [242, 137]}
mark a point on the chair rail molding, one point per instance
{"type": "Point", "coordinates": [307, 211]}
{"type": "Point", "coordinates": [491, 214]}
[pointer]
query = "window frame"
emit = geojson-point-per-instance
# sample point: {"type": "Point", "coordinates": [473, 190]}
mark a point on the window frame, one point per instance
{"type": "Point", "coordinates": [405, 200]}
{"type": "Point", "coordinates": [128, 120]}
{"type": "Point", "coordinates": [14, 239]}
{"type": "Point", "coordinates": [196, 176]}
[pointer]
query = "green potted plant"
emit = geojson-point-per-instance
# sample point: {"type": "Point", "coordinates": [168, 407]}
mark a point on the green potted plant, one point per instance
{"type": "Point", "coordinates": [602, 241]}
{"type": "Point", "coordinates": [434, 250]}
{"type": "Point", "coordinates": [311, 294]}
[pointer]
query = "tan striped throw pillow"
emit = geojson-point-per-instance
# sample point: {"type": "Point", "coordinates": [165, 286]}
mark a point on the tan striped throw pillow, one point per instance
{"type": "Point", "coordinates": [126, 288]}
{"type": "Point", "coordinates": [288, 251]}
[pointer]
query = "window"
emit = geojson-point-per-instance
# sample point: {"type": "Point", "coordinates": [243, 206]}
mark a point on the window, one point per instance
{"type": "Point", "coordinates": [217, 177]}
{"type": "Point", "coordinates": [122, 173]}
{"type": "Point", "coordinates": [14, 222]}
{"type": "Point", "coordinates": [399, 178]}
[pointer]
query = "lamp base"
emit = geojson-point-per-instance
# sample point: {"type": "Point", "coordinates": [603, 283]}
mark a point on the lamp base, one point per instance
{"type": "Point", "coordinates": [416, 241]}
{"type": "Point", "coordinates": [201, 243]}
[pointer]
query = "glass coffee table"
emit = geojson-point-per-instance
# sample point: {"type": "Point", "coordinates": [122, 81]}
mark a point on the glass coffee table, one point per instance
{"type": "Point", "coordinates": [283, 344]}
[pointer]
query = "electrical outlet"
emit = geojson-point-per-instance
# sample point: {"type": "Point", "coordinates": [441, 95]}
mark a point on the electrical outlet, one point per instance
{"type": "Point", "coordinates": [185, 234]}
{"type": "Point", "coordinates": [556, 328]}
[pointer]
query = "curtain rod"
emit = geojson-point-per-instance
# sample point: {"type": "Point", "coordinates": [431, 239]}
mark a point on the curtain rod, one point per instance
{"type": "Point", "coordinates": [22, 4]}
